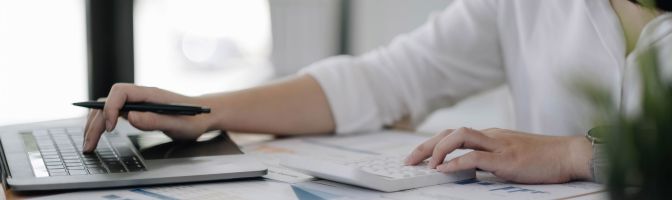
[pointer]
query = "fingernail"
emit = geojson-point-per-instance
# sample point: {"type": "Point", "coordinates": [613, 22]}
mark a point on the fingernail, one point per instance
{"type": "Point", "coordinates": [441, 167]}
{"type": "Point", "coordinates": [84, 146]}
{"type": "Point", "coordinates": [84, 142]}
{"type": "Point", "coordinates": [108, 126]}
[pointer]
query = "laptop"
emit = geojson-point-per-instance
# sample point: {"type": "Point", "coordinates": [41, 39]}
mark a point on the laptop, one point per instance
{"type": "Point", "coordinates": [47, 156]}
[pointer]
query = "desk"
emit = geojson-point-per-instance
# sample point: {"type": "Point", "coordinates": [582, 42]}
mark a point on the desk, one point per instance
{"type": "Point", "coordinates": [280, 186]}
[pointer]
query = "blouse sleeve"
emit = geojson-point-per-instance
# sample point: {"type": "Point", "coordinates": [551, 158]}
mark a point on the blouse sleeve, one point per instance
{"type": "Point", "coordinates": [452, 56]}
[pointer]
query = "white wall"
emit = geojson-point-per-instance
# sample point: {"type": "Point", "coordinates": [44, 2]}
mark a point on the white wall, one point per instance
{"type": "Point", "coordinates": [304, 31]}
{"type": "Point", "coordinates": [377, 22]}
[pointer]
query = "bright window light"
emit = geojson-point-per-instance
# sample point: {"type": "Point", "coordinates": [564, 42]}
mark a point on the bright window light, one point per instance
{"type": "Point", "coordinates": [42, 60]}
{"type": "Point", "coordinates": [201, 46]}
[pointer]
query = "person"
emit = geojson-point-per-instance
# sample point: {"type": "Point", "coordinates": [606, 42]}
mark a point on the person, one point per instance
{"type": "Point", "coordinates": [473, 45]}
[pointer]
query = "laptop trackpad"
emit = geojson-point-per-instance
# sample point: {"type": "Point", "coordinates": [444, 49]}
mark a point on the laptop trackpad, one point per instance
{"type": "Point", "coordinates": [156, 145]}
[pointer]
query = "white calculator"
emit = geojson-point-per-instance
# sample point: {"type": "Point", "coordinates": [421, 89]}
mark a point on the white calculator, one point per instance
{"type": "Point", "coordinates": [383, 173]}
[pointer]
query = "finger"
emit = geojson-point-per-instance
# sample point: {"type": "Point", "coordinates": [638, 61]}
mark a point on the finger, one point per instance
{"type": "Point", "coordinates": [148, 121]}
{"type": "Point", "coordinates": [89, 119]}
{"type": "Point", "coordinates": [475, 159]}
{"type": "Point", "coordinates": [93, 133]}
{"type": "Point", "coordinates": [460, 138]}
{"type": "Point", "coordinates": [424, 150]}
{"type": "Point", "coordinates": [118, 96]}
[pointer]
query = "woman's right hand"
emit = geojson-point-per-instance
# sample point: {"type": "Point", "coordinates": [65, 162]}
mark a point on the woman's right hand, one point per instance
{"type": "Point", "coordinates": [178, 127]}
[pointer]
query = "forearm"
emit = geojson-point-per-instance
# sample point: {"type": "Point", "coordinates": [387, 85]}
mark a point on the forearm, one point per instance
{"type": "Point", "coordinates": [294, 106]}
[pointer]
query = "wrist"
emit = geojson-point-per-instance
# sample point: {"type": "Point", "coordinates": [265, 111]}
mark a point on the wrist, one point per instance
{"type": "Point", "coordinates": [209, 120]}
{"type": "Point", "coordinates": [581, 154]}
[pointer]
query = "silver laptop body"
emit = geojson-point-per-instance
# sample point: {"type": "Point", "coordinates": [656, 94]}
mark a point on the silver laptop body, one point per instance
{"type": "Point", "coordinates": [47, 156]}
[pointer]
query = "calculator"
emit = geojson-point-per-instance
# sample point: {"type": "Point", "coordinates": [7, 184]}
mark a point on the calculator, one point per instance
{"type": "Point", "coordinates": [383, 173]}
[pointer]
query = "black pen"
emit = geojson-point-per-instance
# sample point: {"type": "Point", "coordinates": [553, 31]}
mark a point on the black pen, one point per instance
{"type": "Point", "coordinates": [167, 109]}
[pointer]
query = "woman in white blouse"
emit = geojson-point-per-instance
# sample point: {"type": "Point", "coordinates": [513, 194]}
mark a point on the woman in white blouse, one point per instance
{"type": "Point", "coordinates": [536, 47]}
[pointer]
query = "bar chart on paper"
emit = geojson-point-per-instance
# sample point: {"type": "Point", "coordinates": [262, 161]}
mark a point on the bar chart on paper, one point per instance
{"type": "Point", "coordinates": [502, 188]}
{"type": "Point", "coordinates": [487, 186]}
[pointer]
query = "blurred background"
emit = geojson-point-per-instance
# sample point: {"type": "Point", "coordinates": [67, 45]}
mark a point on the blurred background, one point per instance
{"type": "Point", "coordinates": [54, 53]}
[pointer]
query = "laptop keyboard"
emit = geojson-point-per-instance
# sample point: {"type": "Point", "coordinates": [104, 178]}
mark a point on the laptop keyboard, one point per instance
{"type": "Point", "coordinates": [60, 154]}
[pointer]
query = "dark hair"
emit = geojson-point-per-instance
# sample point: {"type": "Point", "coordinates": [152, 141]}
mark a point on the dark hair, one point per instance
{"type": "Point", "coordinates": [665, 5]}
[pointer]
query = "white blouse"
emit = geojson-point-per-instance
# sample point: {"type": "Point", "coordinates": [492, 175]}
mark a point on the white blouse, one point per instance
{"type": "Point", "coordinates": [539, 48]}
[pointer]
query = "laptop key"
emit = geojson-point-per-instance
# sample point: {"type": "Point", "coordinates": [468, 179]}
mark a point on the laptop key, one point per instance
{"type": "Point", "coordinates": [89, 156]}
{"type": "Point", "coordinates": [77, 172]}
{"type": "Point", "coordinates": [76, 168]}
{"type": "Point", "coordinates": [94, 166]}
{"type": "Point", "coordinates": [53, 163]}
{"type": "Point", "coordinates": [72, 161]}
{"type": "Point", "coordinates": [108, 158]}
{"type": "Point", "coordinates": [52, 160]}
{"type": "Point", "coordinates": [48, 152]}
{"type": "Point", "coordinates": [91, 162]}
{"type": "Point", "coordinates": [67, 153]}
{"type": "Point", "coordinates": [73, 164]}
{"type": "Point", "coordinates": [97, 170]}
{"type": "Point", "coordinates": [58, 174]}
{"type": "Point", "coordinates": [116, 168]}
{"type": "Point", "coordinates": [70, 157]}
{"type": "Point", "coordinates": [56, 170]}
{"type": "Point", "coordinates": [51, 157]}
{"type": "Point", "coordinates": [103, 149]}
{"type": "Point", "coordinates": [49, 167]}
{"type": "Point", "coordinates": [106, 153]}
{"type": "Point", "coordinates": [111, 162]}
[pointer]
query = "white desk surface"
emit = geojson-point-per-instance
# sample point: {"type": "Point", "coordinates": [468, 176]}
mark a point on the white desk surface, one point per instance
{"type": "Point", "coordinates": [264, 145]}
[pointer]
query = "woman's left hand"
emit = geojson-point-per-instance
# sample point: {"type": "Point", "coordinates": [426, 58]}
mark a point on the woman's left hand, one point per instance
{"type": "Point", "coordinates": [511, 155]}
